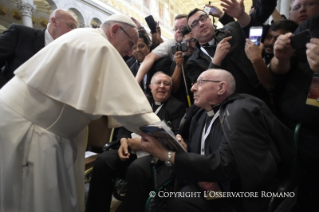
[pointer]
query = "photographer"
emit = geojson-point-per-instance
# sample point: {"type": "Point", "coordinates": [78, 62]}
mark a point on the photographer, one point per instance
{"type": "Point", "coordinates": [180, 90]}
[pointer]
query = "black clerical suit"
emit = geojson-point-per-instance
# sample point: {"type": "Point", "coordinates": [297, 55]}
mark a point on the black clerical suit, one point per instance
{"type": "Point", "coordinates": [247, 149]}
{"type": "Point", "coordinates": [18, 44]}
{"type": "Point", "coordinates": [108, 165]}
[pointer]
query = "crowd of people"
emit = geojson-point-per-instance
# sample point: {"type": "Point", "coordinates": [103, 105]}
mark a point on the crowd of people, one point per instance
{"type": "Point", "coordinates": [247, 115]}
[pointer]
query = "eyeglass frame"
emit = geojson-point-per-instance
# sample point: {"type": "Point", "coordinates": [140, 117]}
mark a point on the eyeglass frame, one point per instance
{"type": "Point", "coordinates": [134, 44]}
{"type": "Point", "coordinates": [201, 18]}
{"type": "Point", "coordinates": [200, 82]}
{"type": "Point", "coordinates": [70, 26]}
{"type": "Point", "coordinates": [190, 40]}
{"type": "Point", "coordinates": [306, 5]}
{"type": "Point", "coordinates": [179, 28]}
{"type": "Point", "coordinates": [165, 83]}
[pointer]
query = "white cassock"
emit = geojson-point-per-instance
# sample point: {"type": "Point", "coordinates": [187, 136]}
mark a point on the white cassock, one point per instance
{"type": "Point", "coordinates": [54, 95]}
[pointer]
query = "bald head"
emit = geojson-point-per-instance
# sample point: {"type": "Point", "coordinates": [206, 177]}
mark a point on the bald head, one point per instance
{"type": "Point", "coordinates": [226, 76]}
{"type": "Point", "coordinates": [212, 88]}
{"type": "Point", "coordinates": [61, 22]}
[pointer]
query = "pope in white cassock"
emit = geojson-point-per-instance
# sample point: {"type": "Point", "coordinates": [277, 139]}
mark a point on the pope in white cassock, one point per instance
{"type": "Point", "coordinates": [45, 108]}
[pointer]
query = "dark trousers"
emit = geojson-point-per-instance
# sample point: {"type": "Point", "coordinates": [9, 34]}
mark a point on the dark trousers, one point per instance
{"type": "Point", "coordinates": [107, 167]}
{"type": "Point", "coordinates": [308, 188]}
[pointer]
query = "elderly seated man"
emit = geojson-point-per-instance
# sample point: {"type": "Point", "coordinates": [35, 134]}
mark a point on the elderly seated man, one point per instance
{"type": "Point", "coordinates": [115, 163]}
{"type": "Point", "coordinates": [236, 146]}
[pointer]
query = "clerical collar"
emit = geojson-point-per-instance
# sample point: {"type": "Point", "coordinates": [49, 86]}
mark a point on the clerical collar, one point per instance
{"type": "Point", "coordinates": [211, 42]}
{"type": "Point", "coordinates": [210, 113]}
{"type": "Point", "coordinates": [157, 103]}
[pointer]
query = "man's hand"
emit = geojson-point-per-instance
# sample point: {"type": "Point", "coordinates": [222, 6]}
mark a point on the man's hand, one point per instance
{"type": "Point", "coordinates": [282, 48]}
{"type": "Point", "coordinates": [179, 58]}
{"type": "Point", "coordinates": [313, 54]}
{"type": "Point", "coordinates": [154, 147]}
{"type": "Point", "coordinates": [134, 144]}
{"type": "Point", "coordinates": [181, 140]}
{"type": "Point", "coordinates": [217, 12]}
{"type": "Point", "coordinates": [233, 8]}
{"type": "Point", "coordinates": [222, 50]}
{"type": "Point", "coordinates": [253, 51]}
{"type": "Point", "coordinates": [123, 150]}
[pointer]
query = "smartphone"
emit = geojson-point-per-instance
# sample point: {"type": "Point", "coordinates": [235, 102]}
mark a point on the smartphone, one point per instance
{"type": "Point", "coordinates": [300, 40]}
{"type": "Point", "coordinates": [151, 23]}
{"type": "Point", "coordinates": [207, 10]}
{"type": "Point", "coordinates": [255, 34]}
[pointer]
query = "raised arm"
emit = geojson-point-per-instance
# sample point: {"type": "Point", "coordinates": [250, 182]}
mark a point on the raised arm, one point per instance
{"type": "Point", "coordinates": [177, 75]}
{"type": "Point", "coordinates": [146, 65]}
{"type": "Point", "coordinates": [283, 51]}
{"type": "Point", "coordinates": [313, 54]}
{"type": "Point", "coordinates": [254, 54]}
{"type": "Point", "coordinates": [237, 10]}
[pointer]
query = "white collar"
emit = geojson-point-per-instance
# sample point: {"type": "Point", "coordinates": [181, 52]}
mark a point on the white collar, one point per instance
{"type": "Point", "coordinates": [211, 42]}
{"type": "Point", "coordinates": [47, 36]}
{"type": "Point", "coordinates": [210, 113]}
{"type": "Point", "coordinates": [157, 103]}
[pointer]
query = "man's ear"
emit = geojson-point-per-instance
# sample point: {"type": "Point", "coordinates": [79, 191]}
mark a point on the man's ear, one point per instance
{"type": "Point", "coordinates": [114, 29]}
{"type": "Point", "coordinates": [53, 21]}
{"type": "Point", "coordinates": [222, 88]}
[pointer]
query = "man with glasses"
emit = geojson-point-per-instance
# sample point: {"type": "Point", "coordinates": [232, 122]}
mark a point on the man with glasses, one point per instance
{"type": "Point", "coordinates": [119, 163]}
{"type": "Point", "coordinates": [46, 107]}
{"type": "Point", "coordinates": [301, 10]}
{"type": "Point", "coordinates": [231, 148]}
{"type": "Point", "coordinates": [19, 43]}
{"type": "Point", "coordinates": [164, 49]}
{"type": "Point", "coordinates": [223, 48]}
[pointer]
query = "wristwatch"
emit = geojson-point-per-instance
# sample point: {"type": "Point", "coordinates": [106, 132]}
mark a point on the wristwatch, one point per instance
{"type": "Point", "coordinates": [168, 161]}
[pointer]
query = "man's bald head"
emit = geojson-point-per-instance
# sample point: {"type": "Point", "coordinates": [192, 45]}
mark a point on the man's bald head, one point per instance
{"type": "Point", "coordinates": [226, 76]}
{"type": "Point", "coordinates": [212, 88]}
{"type": "Point", "coordinates": [61, 22]}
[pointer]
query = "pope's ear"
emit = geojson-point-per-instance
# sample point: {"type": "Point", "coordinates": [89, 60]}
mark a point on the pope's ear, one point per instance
{"type": "Point", "coordinates": [114, 29]}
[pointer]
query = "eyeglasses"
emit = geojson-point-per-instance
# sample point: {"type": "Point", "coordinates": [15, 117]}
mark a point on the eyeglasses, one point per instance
{"type": "Point", "coordinates": [192, 40]}
{"type": "Point", "coordinates": [132, 44]}
{"type": "Point", "coordinates": [308, 4]}
{"type": "Point", "coordinates": [179, 28]}
{"type": "Point", "coordinates": [200, 82]}
{"type": "Point", "coordinates": [202, 18]}
{"type": "Point", "coordinates": [165, 83]}
{"type": "Point", "coordinates": [70, 26]}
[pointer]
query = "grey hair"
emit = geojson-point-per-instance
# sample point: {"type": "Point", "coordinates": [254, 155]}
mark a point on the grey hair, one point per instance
{"type": "Point", "coordinates": [161, 72]}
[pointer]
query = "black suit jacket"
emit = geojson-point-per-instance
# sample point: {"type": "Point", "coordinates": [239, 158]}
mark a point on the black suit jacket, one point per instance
{"type": "Point", "coordinates": [18, 44]}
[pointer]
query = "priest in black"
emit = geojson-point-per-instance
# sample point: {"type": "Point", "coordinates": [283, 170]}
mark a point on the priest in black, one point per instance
{"type": "Point", "coordinates": [235, 145]}
{"type": "Point", "coordinates": [117, 163]}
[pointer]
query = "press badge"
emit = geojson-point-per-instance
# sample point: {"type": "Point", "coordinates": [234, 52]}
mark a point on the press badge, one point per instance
{"type": "Point", "coordinates": [313, 95]}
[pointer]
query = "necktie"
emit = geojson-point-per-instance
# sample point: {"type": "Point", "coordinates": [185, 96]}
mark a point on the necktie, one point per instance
{"type": "Point", "coordinates": [210, 50]}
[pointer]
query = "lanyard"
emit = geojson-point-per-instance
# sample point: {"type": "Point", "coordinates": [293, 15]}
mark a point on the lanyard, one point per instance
{"type": "Point", "coordinates": [205, 134]}
{"type": "Point", "coordinates": [158, 109]}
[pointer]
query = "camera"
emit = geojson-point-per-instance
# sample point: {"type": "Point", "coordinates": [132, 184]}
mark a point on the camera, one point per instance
{"type": "Point", "coordinates": [181, 46]}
